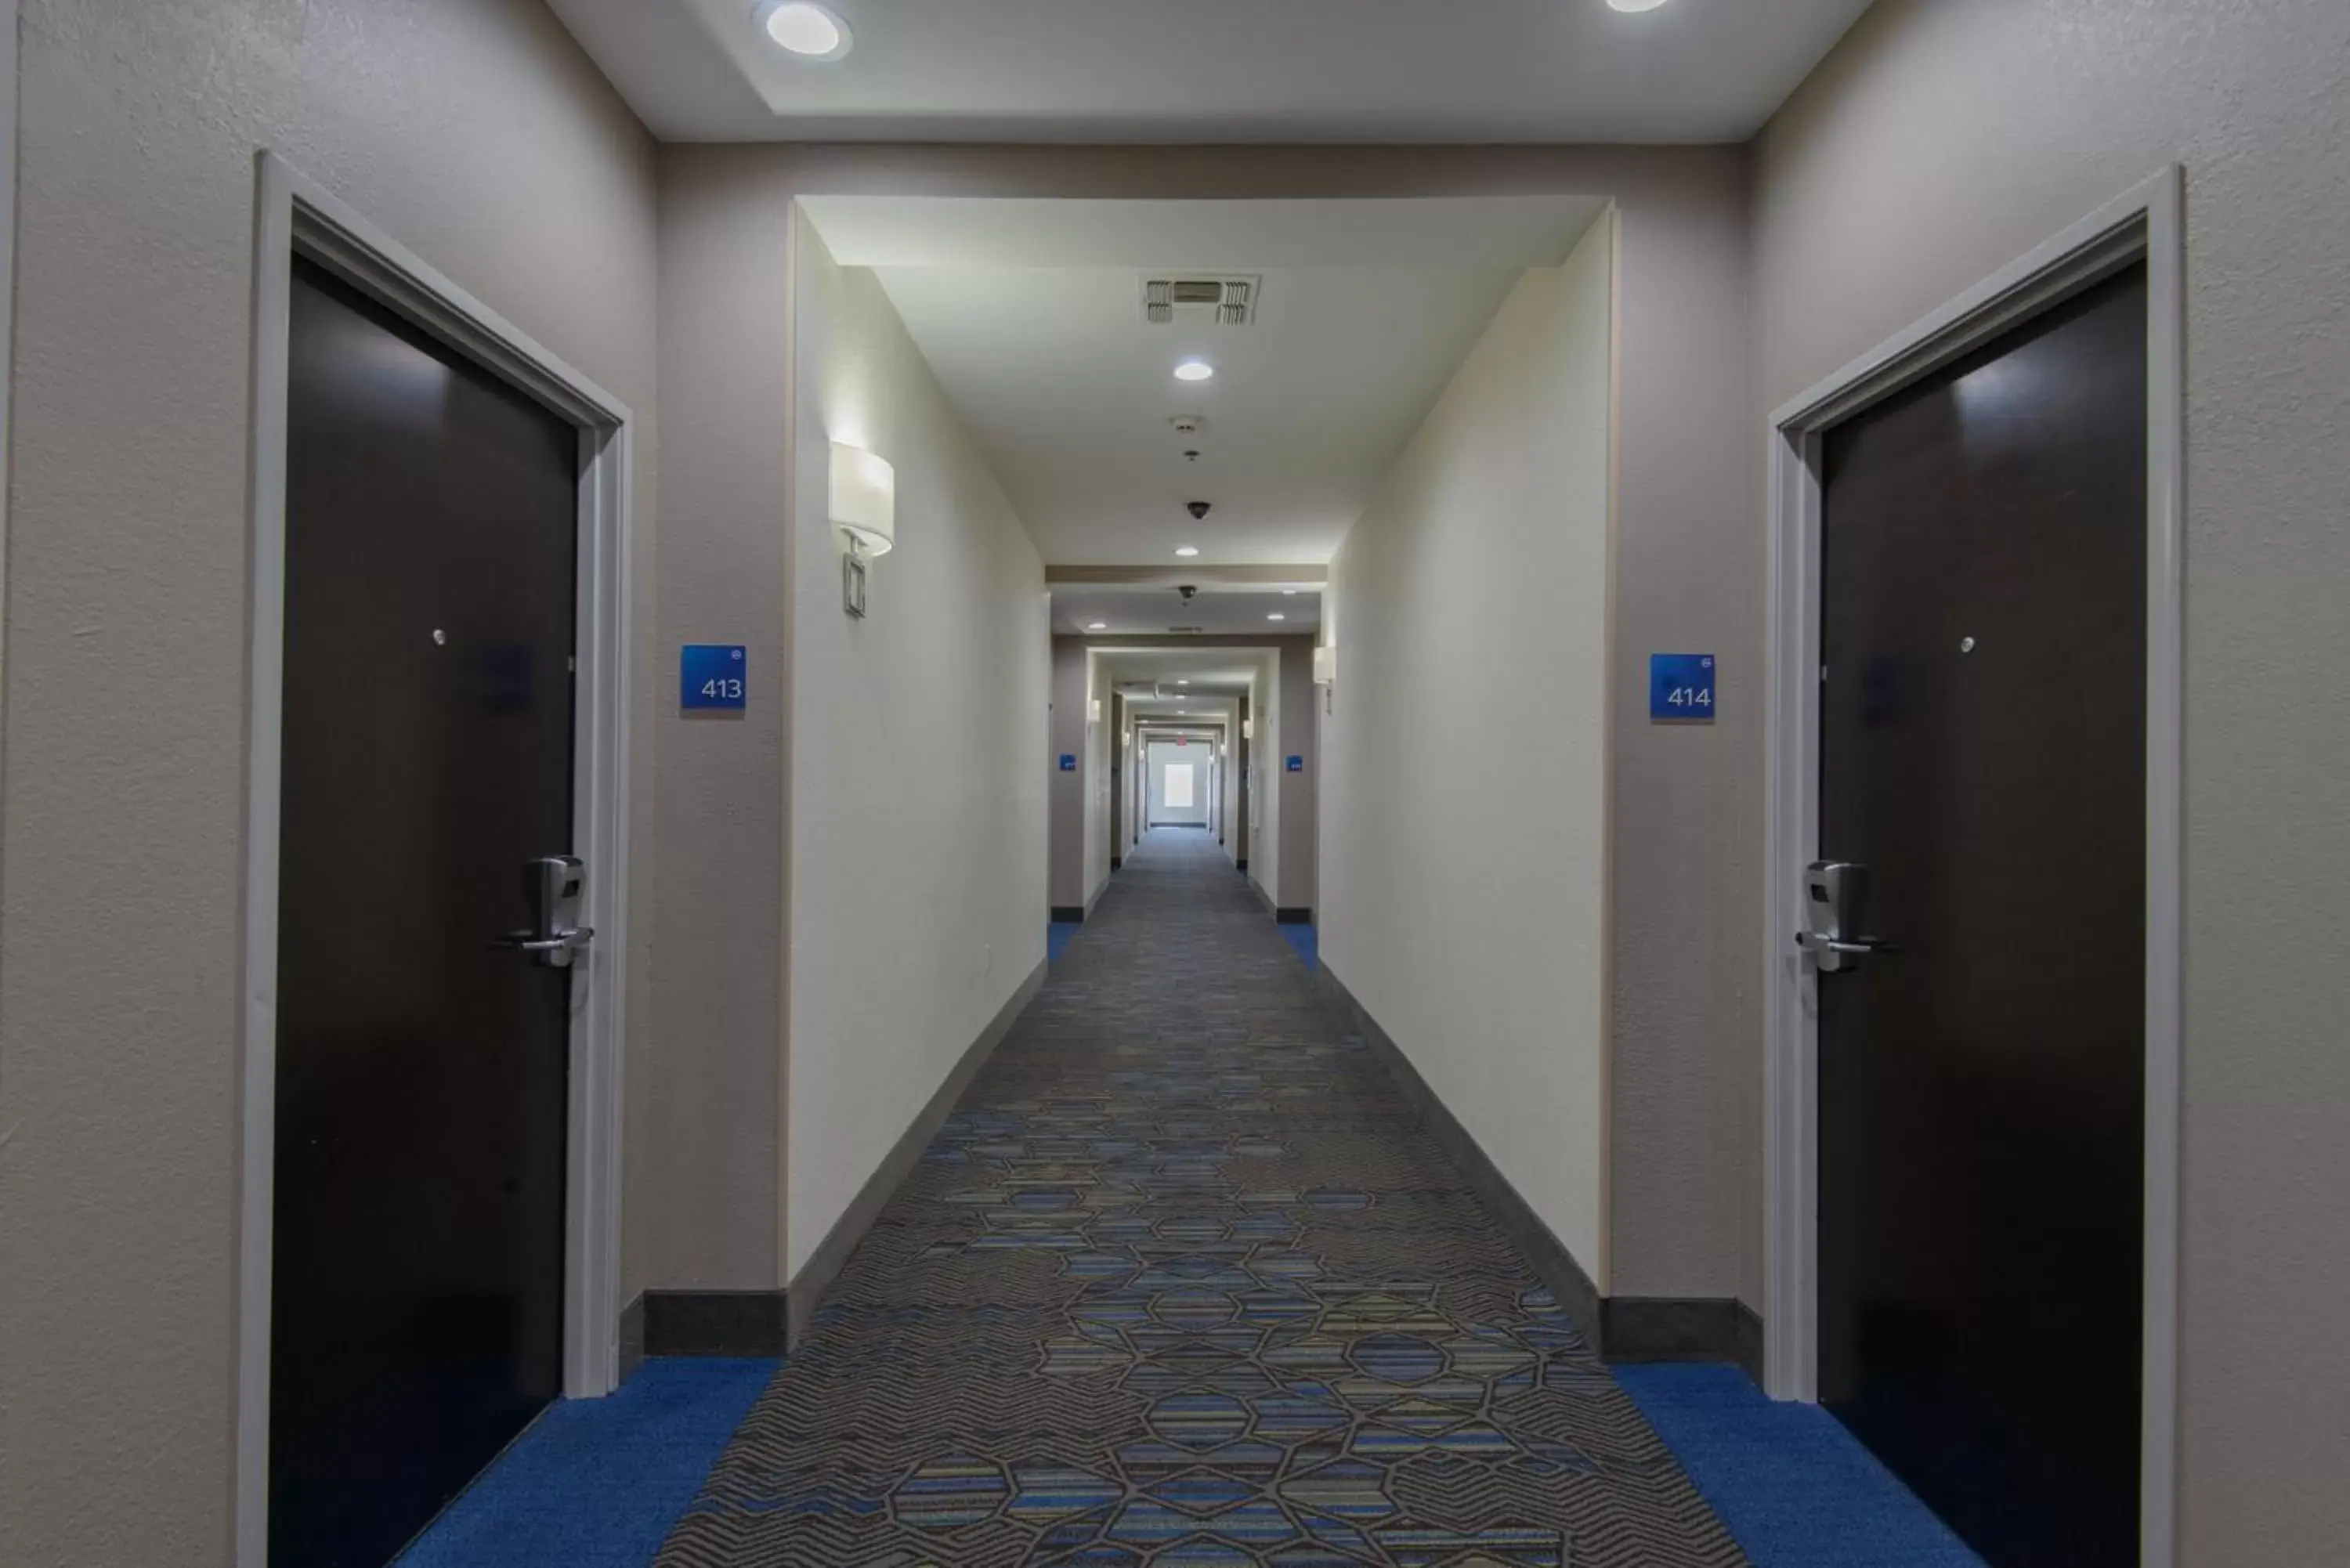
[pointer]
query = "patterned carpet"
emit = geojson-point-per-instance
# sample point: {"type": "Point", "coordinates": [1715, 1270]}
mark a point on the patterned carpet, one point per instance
{"type": "Point", "coordinates": [1180, 1282]}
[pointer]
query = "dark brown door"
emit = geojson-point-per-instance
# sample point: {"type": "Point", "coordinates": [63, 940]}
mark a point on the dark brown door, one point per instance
{"type": "Point", "coordinates": [417, 1308]}
{"type": "Point", "coordinates": [1982, 753]}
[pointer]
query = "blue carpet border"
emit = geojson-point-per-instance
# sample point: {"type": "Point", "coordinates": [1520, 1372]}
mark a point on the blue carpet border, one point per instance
{"type": "Point", "coordinates": [597, 1483]}
{"type": "Point", "coordinates": [1793, 1487]}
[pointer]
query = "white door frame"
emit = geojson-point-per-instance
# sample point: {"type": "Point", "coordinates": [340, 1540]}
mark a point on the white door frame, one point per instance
{"type": "Point", "coordinates": [2144, 224]}
{"type": "Point", "coordinates": [294, 215]}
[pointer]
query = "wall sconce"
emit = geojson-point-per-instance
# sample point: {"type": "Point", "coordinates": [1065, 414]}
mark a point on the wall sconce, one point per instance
{"type": "Point", "coordinates": [864, 505]}
{"type": "Point", "coordinates": [1095, 710]}
{"type": "Point", "coordinates": [1326, 665]}
{"type": "Point", "coordinates": [1247, 728]}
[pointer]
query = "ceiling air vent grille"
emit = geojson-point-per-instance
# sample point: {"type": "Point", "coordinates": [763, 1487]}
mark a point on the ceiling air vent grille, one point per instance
{"type": "Point", "coordinates": [1226, 301]}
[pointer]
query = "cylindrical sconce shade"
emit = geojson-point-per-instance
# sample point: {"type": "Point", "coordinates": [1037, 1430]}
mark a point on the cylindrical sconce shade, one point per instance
{"type": "Point", "coordinates": [1325, 664]}
{"type": "Point", "coordinates": [864, 498]}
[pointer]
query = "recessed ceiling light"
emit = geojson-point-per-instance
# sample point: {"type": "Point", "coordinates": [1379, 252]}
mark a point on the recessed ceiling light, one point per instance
{"type": "Point", "coordinates": [808, 30]}
{"type": "Point", "coordinates": [1096, 626]}
{"type": "Point", "coordinates": [1186, 550]}
{"type": "Point", "coordinates": [1289, 593]}
{"type": "Point", "coordinates": [1183, 683]}
{"type": "Point", "coordinates": [1634, 5]}
{"type": "Point", "coordinates": [1194, 370]}
{"type": "Point", "coordinates": [1276, 616]}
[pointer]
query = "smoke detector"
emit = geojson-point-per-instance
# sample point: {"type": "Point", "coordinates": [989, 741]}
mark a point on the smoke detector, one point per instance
{"type": "Point", "coordinates": [1195, 301]}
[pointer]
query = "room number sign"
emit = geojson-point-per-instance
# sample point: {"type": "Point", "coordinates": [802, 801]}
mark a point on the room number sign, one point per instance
{"type": "Point", "coordinates": [709, 675]}
{"type": "Point", "coordinates": [1680, 688]}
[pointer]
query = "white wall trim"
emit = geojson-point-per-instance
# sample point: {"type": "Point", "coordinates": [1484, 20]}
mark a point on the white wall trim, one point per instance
{"type": "Point", "coordinates": [2145, 223]}
{"type": "Point", "coordinates": [294, 213]}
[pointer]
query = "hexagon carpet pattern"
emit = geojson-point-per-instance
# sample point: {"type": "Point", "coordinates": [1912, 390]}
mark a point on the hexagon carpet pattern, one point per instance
{"type": "Point", "coordinates": [1182, 1283]}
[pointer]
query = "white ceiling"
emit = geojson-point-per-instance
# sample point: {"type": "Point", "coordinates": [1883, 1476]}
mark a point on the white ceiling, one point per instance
{"type": "Point", "coordinates": [1218, 683]}
{"type": "Point", "coordinates": [1070, 394]}
{"type": "Point", "coordinates": [1154, 611]}
{"type": "Point", "coordinates": [987, 232]}
{"type": "Point", "coordinates": [1211, 671]}
{"type": "Point", "coordinates": [1216, 70]}
{"type": "Point", "coordinates": [1030, 313]}
{"type": "Point", "coordinates": [1203, 711]}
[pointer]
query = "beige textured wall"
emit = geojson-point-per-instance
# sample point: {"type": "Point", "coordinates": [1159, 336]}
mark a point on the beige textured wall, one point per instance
{"type": "Point", "coordinates": [1686, 850]}
{"type": "Point", "coordinates": [1940, 141]}
{"type": "Point", "coordinates": [1267, 702]}
{"type": "Point", "coordinates": [1066, 856]}
{"type": "Point", "coordinates": [705, 1082]}
{"type": "Point", "coordinates": [917, 896]}
{"type": "Point", "coordinates": [1270, 700]}
{"type": "Point", "coordinates": [1300, 841]}
{"type": "Point", "coordinates": [1095, 760]}
{"type": "Point", "coordinates": [476, 134]}
{"type": "Point", "coordinates": [1465, 903]}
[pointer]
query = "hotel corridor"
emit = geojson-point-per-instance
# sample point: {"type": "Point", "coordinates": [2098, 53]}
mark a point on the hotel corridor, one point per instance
{"type": "Point", "coordinates": [1182, 1280]}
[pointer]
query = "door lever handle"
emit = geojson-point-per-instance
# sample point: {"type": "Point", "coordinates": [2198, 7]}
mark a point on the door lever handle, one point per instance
{"type": "Point", "coordinates": [1837, 894]}
{"type": "Point", "coordinates": [570, 939]}
{"type": "Point", "coordinates": [554, 949]}
{"type": "Point", "coordinates": [1813, 942]}
{"type": "Point", "coordinates": [552, 885]}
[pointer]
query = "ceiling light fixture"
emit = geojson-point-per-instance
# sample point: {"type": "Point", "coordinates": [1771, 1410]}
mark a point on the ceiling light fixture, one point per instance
{"type": "Point", "coordinates": [808, 30]}
{"type": "Point", "coordinates": [1186, 550]}
{"type": "Point", "coordinates": [1096, 626]}
{"type": "Point", "coordinates": [1183, 683]}
{"type": "Point", "coordinates": [1634, 5]}
{"type": "Point", "coordinates": [1276, 616]}
{"type": "Point", "coordinates": [1194, 370]}
{"type": "Point", "coordinates": [1289, 593]}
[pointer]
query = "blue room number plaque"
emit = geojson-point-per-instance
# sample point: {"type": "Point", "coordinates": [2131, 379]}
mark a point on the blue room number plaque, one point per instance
{"type": "Point", "coordinates": [1680, 687]}
{"type": "Point", "coordinates": [709, 675]}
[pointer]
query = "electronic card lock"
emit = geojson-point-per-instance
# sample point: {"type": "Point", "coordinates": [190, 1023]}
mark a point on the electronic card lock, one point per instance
{"type": "Point", "coordinates": [552, 885]}
{"type": "Point", "coordinates": [1835, 898]}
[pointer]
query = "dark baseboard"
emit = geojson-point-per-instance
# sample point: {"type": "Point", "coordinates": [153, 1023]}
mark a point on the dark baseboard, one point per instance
{"type": "Point", "coordinates": [1683, 1328]}
{"type": "Point", "coordinates": [1294, 917]}
{"type": "Point", "coordinates": [1749, 1333]}
{"type": "Point", "coordinates": [632, 1337]}
{"type": "Point", "coordinates": [823, 1265]}
{"type": "Point", "coordinates": [1621, 1328]}
{"type": "Point", "coordinates": [1068, 914]}
{"type": "Point", "coordinates": [704, 1323]}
